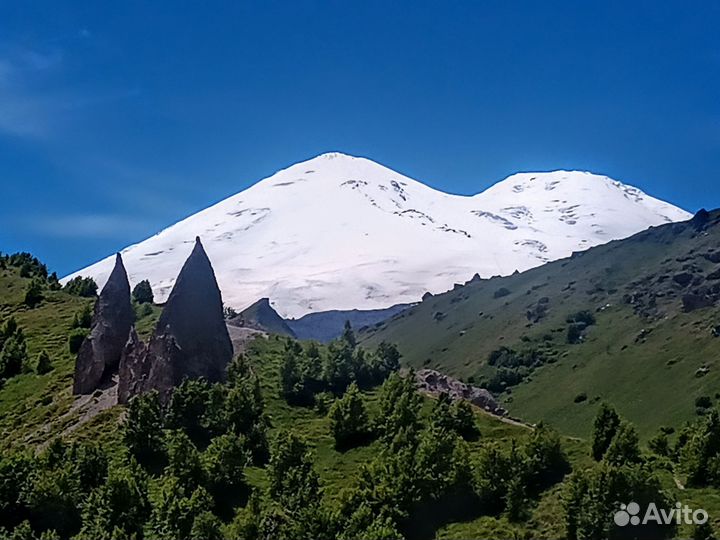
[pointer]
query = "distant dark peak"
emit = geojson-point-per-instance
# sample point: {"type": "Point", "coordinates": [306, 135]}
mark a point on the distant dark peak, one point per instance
{"type": "Point", "coordinates": [700, 219]}
{"type": "Point", "coordinates": [262, 316]}
{"type": "Point", "coordinates": [197, 241]}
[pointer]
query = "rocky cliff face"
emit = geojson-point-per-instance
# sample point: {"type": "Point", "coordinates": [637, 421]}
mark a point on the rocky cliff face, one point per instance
{"type": "Point", "coordinates": [434, 382]}
{"type": "Point", "coordinates": [190, 341]}
{"type": "Point", "coordinates": [100, 353]}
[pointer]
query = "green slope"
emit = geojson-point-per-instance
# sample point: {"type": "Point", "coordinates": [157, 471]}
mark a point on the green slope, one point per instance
{"type": "Point", "coordinates": [642, 354]}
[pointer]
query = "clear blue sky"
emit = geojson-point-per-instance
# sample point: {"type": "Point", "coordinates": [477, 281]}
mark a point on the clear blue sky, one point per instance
{"type": "Point", "coordinates": [119, 118]}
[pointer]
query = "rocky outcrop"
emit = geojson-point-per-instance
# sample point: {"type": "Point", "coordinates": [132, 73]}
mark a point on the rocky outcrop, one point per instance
{"type": "Point", "coordinates": [262, 316]}
{"type": "Point", "coordinates": [113, 317]}
{"type": "Point", "coordinates": [434, 382]}
{"type": "Point", "coordinates": [133, 368]}
{"type": "Point", "coordinates": [190, 340]}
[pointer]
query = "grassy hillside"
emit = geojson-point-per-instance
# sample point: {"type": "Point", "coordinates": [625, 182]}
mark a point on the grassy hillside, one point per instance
{"type": "Point", "coordinates": [33, 407]}
{"type": "Point", "coordinates": [645, 353]}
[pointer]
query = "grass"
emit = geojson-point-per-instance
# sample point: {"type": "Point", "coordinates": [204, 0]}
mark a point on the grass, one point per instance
{"type": "Point", "coordinates": [643, 361]}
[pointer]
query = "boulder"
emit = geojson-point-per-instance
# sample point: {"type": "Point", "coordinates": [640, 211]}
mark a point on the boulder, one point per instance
{"type": "Point", "coordinates": [436, 383]}
{"type": "Point", "coordinates": [190, 340]}
{"type": "Point", "coordinates": [694, 301]}
{"type": "Point", "coordinates": [683, 278]}
{"type": "Point", "coordinates": [113, 316]}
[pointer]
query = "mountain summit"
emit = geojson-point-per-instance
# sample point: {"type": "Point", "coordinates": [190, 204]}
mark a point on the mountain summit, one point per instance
{"type": "Point", "coordinates": [342, 232]}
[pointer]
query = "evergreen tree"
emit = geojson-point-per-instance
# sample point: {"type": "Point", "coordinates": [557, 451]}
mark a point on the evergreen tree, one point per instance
{"type": "Point", "coordinates": [142, 293]}
{"type": "Point", "coordinates": [184, 460]}
{"type": "Point", "coordinates": [464, 419]}
{"type": "Point", "coordinates": [118, 508]}
{"type": "Point", "coordinates": [80, 286]}
{"type": "Point", "coordinates": [700, 455]}
{"type": "Point", "coordinates": [206, 526]}
{"type": "Point", "coordinates": [76, 338]}
{"type": "Point", "coordinates": [43, 364]}
{"type": "Point", "coordinates": [143, 433]}
{"type": "Point", "coordinates": [624, 447]}
{"type": "Point", "coordinates": [175, 510]}
{"type": "Point", "coordinates": [606, 424]}
{"type": "Point", "coordinates": [348, 419]}
{"type": "Point", "coordinates": [389, 358]}
{"type": "Point", "coordinates": [399, 407]}
{"type": "Point", "coordinates": [188, 407]}
{"type": "Point", "coordinates": [224, 462]}
{"type": "Point", "coordinates": [13, 356]}
{"type": "Point", "coordinates": [34, 293]}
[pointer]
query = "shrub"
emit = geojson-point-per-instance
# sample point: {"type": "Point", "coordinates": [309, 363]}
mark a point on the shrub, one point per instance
{"type": "Point", "coordinates": [142, 293]}
{"type": "Point", "coordinates": [34, 293]}
{"type": "Point", "coordinates": [349, 419]}
{"type": "Point", "coordinates": [80, 286]}
{"type": "Point", "coordinates": [13, 356]}
{"type": "Point", "coordinates": [502, 291]}
{"type": "Point", "coordinates": [703, 402]}
{"type": "Point", "coordinates": [76, 338]}
{"type": "Point", "coordinates": [43, 364]}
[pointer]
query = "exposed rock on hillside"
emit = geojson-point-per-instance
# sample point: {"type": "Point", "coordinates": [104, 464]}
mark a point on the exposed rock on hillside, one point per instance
{"type": "Point", "coordinates": [100, 353]}
{"type": "Point", "coordinates": [434, 382]}
{"type": "Point", "coordinates": [261, 316]}
{"type": "Point", "coordinates": [191, 339]}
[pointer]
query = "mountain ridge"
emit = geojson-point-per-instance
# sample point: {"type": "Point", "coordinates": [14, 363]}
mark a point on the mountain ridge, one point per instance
{"type": "Point", "coordinates": [340, 233]}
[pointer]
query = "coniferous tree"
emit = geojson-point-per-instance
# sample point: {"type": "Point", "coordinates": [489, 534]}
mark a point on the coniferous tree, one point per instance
{"type": "Point", "coordinates": [184, 460]}
{"type": "Point", "coordinates": [143, 433]}
{"type": "Point", "coordinates": [624, 448]}
{"type": "Point", "coordinates": [34, 293]}
{"type": "Point", "coordinates": [606, 424]}
{"type": "Point", "coordinates": [142, 293]}
{"type": "Point", "coordinates": [43, 364]}
{"type": "Point", "coordinates": [118, 508]}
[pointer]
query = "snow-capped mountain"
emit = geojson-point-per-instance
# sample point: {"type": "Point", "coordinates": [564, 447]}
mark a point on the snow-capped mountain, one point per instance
{"type": "Point", "coordinates": [341, 232]}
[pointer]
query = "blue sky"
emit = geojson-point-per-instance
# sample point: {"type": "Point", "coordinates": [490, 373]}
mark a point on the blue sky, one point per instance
{"type": "Point", "coordinates": [119, 118]}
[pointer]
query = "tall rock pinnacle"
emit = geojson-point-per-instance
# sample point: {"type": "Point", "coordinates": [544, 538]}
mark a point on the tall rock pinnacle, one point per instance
{"type": "Point", "coordinates": [100, 353]}
{"type": "Point", "coordinates": [191, 339]}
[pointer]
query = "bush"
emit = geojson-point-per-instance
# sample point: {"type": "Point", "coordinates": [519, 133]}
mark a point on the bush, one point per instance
{"type": "Point", "coordinates": [76, 338]}
{"type": "Point", "coordinates": [575, 333]}
{"type": "Point", "coordinates": [80, 286]}
{"type": "Point", "coordinates": [582, 396]}
{"type": "Point", "coordinates": [142, 293]}
{"type": "Point", "coordinates": [13, 356]}
{"type": "Point", "coordinates": [502, 291]}
{"type": "Point", "coordinates": [582, 317]}
{"type": "Point", "coordinates": [43, 364]}
{"type": "Point", "coordinates": [83, 318]}
{"type": "Point", "coordinates": [703, 402]}
{"type": "Point", "coordinates": [34, 293]}
{"type": "Point", "coordinates": [348, 419]}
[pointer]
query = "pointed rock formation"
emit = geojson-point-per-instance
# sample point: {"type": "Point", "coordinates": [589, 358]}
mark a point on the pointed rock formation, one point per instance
{"type": "Point", "coordinates": [113, 317]}
{"type": "Point", "coordinates": [190, 341]}
{"type": "Point", "coordinates": [263, 317]}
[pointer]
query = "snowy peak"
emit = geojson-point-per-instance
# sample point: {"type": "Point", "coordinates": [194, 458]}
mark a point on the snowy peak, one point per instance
{"type": "Point", "coordinates": [343, 232]}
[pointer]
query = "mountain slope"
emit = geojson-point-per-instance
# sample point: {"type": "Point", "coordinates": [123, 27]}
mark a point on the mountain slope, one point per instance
{"type": "Point", "coordinates": [338, 232]}
{"type": "Point", "coordinates": [651, 351]}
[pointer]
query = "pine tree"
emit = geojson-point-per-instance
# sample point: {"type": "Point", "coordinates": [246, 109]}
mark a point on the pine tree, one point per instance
{"type": "Point", "coordinates": [624, 448]}
{"type": "Point", "coordinates": [34, 293]}
{"type": "Point", "coordinates": [606, 424]}
{"type": "Point", "coordinates": [43, 364]}
{"type": "Point", "coordinates": [143, 433]}
{"type": "Point", "coordinates": [142, 293]}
